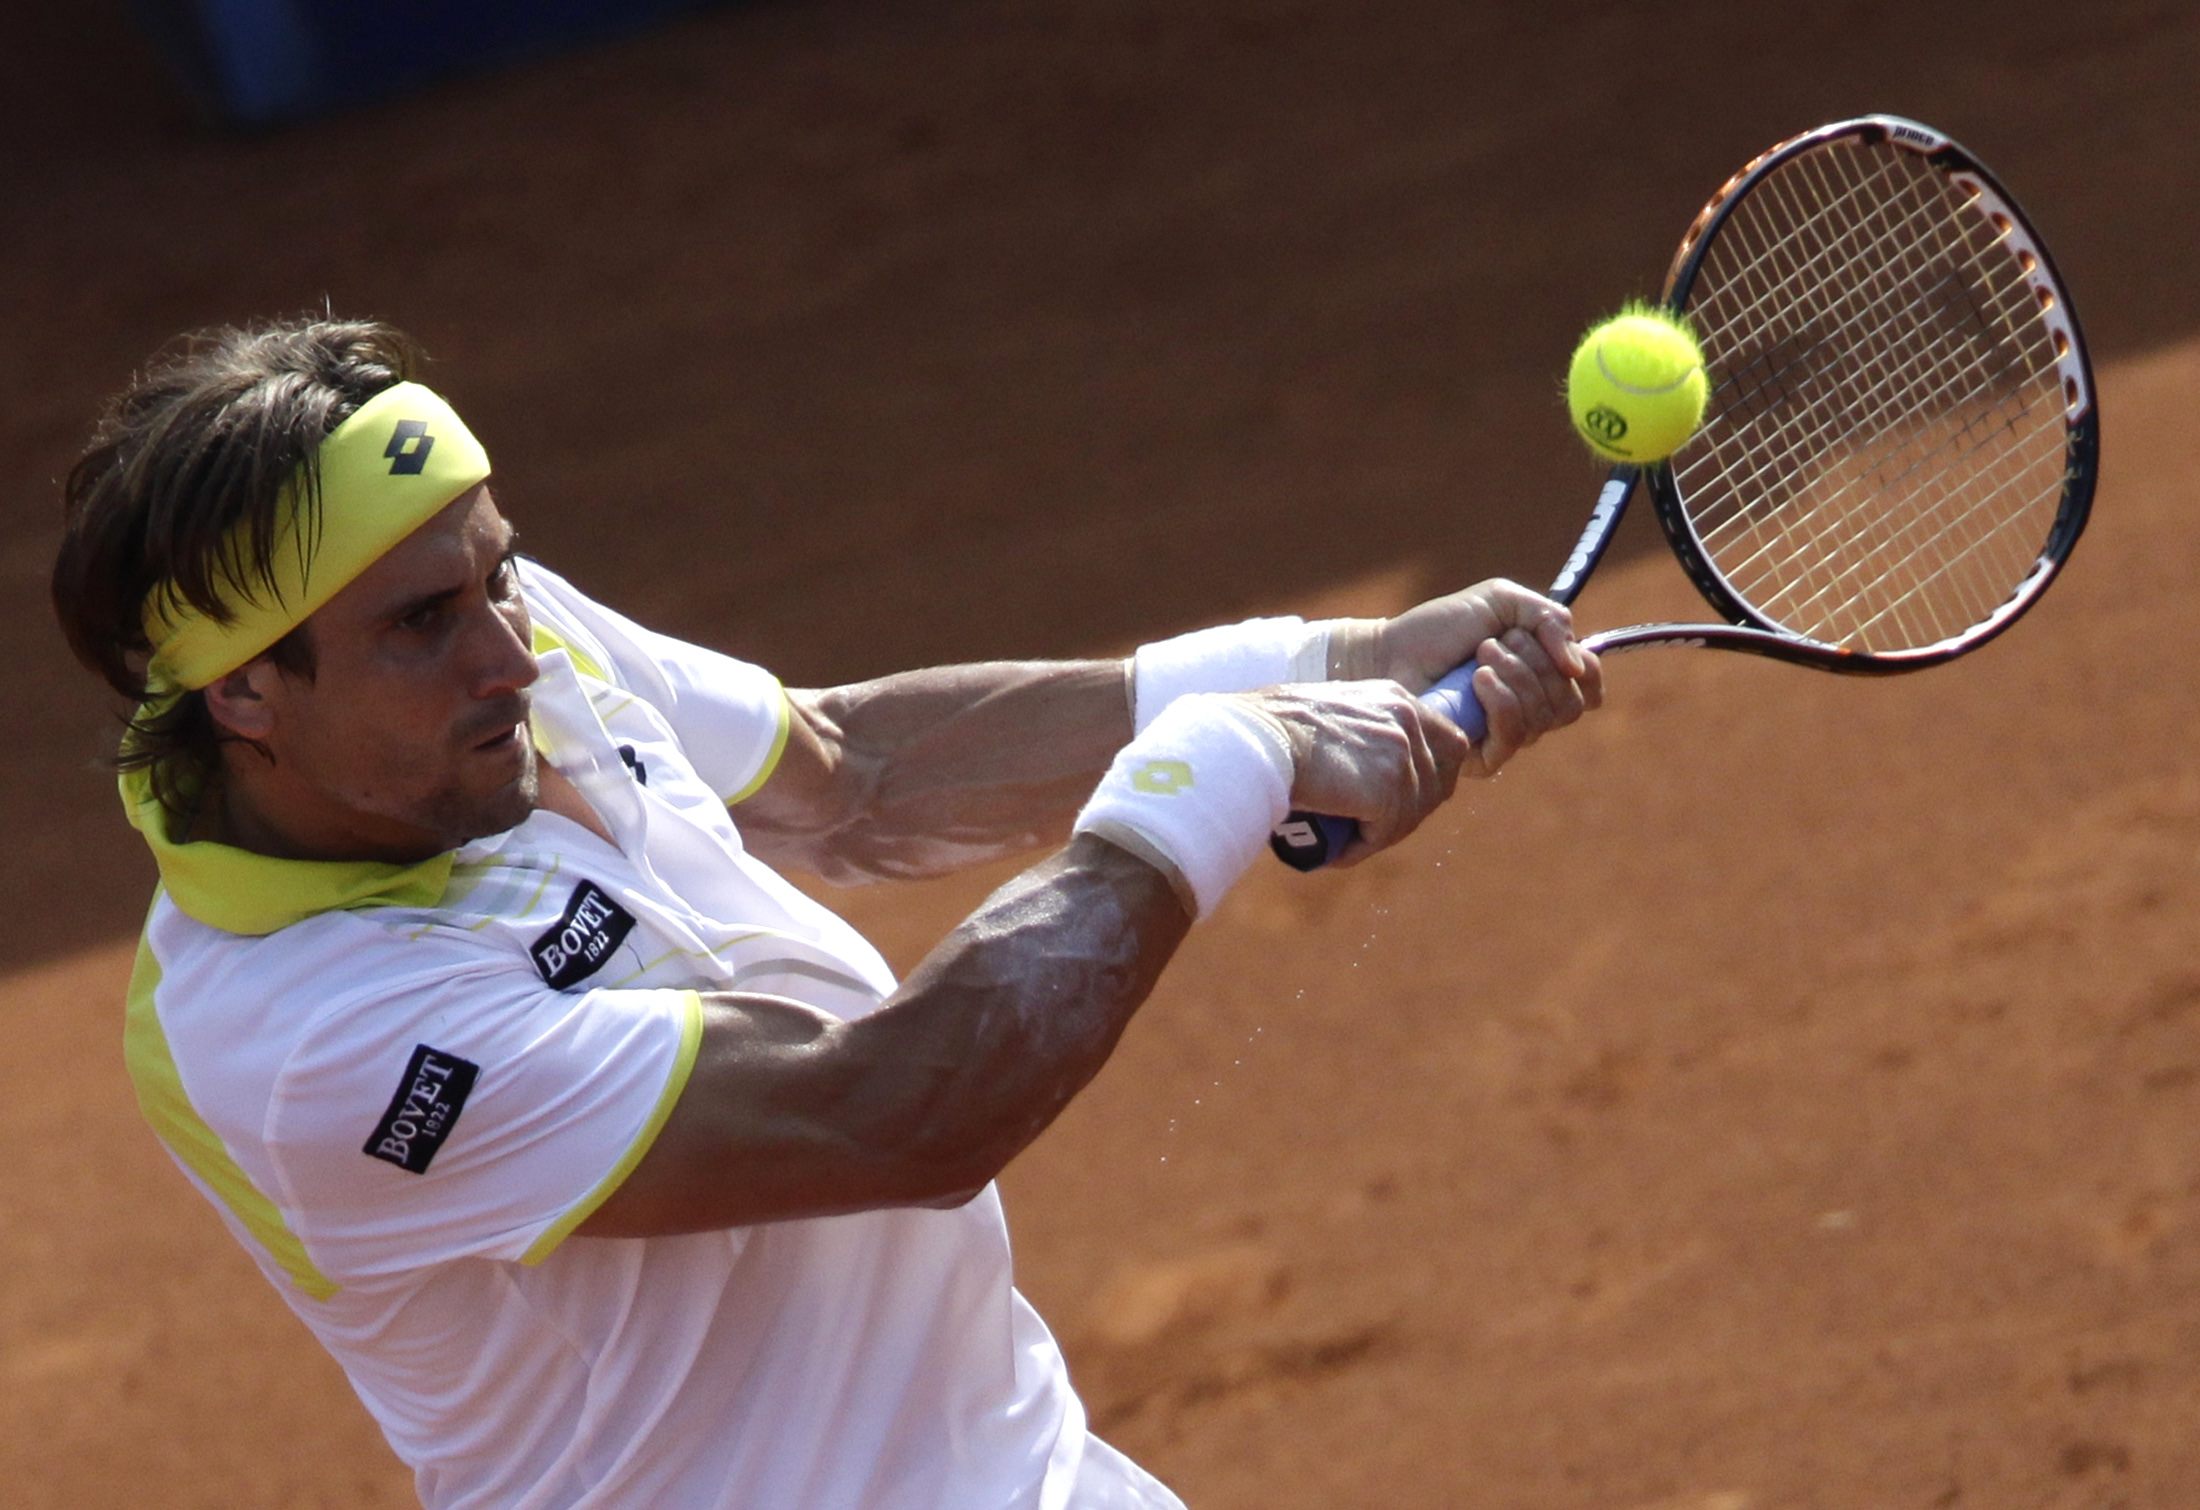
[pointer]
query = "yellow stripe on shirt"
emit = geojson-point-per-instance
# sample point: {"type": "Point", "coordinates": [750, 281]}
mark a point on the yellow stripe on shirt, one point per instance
{"type": "Point", "coordinates": [771, 758]}
{"type": "Point", "coordinates": [691, 1039]}
{"type": "Point", "coordinates": [166, 1105]}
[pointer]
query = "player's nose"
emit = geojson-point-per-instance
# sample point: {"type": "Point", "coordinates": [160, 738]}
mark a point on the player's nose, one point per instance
{"type": "Point", "coordinates": [502, 660]}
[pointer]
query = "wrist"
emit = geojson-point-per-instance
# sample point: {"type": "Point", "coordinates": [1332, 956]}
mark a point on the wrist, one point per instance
{"type": "Point", "coordinates": [1228, 658]}
{"type": "Point", "coordinates": [1355, 650]}
{"type": "Point", "coordinates": [1196, 794]}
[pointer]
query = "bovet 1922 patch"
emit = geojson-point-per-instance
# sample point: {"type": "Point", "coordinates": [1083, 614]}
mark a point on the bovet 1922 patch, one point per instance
{"type": "Point", "coordinates": [424, 1110]}
{"type": "Point", "coordinates": [581, 941]}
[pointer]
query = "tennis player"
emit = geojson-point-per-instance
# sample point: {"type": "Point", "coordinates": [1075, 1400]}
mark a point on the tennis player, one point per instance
{"type": "Point", "coordinates": [612, 1169]}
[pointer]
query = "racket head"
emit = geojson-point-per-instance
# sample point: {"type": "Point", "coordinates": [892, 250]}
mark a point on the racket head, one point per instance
{"type": "Point", "coordinates": [1903, 435]}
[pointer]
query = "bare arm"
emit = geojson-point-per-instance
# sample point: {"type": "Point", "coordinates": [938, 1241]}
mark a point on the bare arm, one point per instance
{"type": "Point", "coordinates": [792, 1113]}
{"type": "Point", "coordinates": [927, 771]}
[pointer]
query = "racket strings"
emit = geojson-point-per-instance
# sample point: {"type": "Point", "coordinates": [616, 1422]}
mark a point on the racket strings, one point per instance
{"type": "Point", "coordinates": [1870, 317]}
{"type": "Point", "coordinates": [1764, 304]}
{"type": "Point", "coordinates": [1817, 544]}
{"type": "Point", "coordinates": [1957, 539]}
{"type": "Point", "coordinates": [1867, 528]}
{"type": "Point", "coordinates": [1821, 438]}
{"type": "Point", "coordinates": [1894, 602]}
{"type": "Point", "coordinates": [1772, 461]}
{"type": "Point", "coordinates": [1877, 470]}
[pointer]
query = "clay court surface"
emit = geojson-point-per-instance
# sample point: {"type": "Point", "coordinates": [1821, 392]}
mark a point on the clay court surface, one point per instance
{"type": "Point", "coordinates": [1779, 1092]}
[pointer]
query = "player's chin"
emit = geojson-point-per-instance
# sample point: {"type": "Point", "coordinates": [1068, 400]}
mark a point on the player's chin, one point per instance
{"type": "Point", "coordinates": [515, 798]}
{"type": "Point", "coordinates": [491, 802]}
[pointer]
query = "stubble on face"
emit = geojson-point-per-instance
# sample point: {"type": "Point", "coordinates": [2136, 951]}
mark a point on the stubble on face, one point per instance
{"type": "Point", "coordinates": [462, 818]}
{"type": "Point", "coordinates": [459, 815]}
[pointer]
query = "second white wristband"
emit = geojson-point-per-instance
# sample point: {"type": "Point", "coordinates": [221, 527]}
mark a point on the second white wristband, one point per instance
{"type": "Point", "coordinates": [1227, 658]}
{"type": "Point", "coordinates": [1201, 788]}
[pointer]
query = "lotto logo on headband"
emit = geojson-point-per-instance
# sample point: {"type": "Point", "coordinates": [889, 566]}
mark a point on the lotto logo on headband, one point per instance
{"type": "Point", "coordinates": [371, 497]}
{"type": "Point", "coordinates": [407, 459]}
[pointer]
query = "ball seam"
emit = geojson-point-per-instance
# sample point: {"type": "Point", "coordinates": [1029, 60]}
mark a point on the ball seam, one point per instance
{"type": "Point", "coordinates": [1636, 388]}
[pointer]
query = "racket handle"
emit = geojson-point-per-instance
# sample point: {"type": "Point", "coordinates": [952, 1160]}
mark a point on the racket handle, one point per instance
{"type": "Point", "coordinates": [1308, 841]}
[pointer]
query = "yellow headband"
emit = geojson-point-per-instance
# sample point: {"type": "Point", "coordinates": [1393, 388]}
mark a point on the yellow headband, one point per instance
{"type": "Point", "coordinates": [387, 470]}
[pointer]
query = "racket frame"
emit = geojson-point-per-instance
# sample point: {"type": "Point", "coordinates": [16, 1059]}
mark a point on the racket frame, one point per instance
{"type": "Point", "coordinates": [1306, 842]}
{"type": "Point", "coordinates": [1752, 632]}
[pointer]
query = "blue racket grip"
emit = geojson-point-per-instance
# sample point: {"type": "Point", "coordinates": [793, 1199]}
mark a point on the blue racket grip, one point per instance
{"type": "Point", "coordinates": [1308, 841]}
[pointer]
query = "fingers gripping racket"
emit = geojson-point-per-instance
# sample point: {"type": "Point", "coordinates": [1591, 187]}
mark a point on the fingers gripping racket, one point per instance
{"type": "Point", "coordinates": [1902, 440]}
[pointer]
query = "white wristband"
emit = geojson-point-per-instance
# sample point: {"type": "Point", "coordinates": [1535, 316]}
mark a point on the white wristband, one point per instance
{"type": "Point", "coordinates": [1228, 658]}
{"type": "Point", "coordinates": [1198, 793]}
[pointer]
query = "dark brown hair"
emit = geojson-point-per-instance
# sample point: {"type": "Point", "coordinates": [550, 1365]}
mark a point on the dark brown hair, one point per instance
{"type": "Point", "coordinates": [182, 482]}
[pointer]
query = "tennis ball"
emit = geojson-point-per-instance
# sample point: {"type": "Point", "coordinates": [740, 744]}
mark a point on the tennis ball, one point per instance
{"type": "Point", "coordinates": [1637, 388]}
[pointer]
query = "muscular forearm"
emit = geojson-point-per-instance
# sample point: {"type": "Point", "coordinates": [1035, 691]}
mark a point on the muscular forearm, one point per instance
{"type": "Point", "coordinates": [928, 771]}
{"type": "Point", "coordinates": [1017, 1009]}
{"type": "Point", "coordinates": [790, 1113]}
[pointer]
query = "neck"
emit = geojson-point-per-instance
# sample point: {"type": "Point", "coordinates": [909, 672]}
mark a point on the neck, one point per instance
{"type": "Point", "coordinates": [250, 805]}
{"type": "Point", "coordinates": [260, 816]}
{"type": "Point", "coordinates": [256, 804]}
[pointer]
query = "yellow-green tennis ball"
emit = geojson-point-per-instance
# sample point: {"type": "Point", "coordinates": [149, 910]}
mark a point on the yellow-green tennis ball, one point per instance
{"type": "Point", "coordinates": [1637, 388]}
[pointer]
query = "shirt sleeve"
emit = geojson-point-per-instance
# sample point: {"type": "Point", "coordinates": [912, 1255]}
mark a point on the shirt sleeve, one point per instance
{"type": "Point", "coordinates": [729, 716]}
{"type": "Point", "coordinates": [463, 1109]}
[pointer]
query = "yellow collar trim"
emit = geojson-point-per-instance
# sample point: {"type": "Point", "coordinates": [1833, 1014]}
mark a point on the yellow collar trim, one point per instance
{"type": "Point", "coordinates": [238, 891]}
{"type": "Point", "coordinates": [384, 472]}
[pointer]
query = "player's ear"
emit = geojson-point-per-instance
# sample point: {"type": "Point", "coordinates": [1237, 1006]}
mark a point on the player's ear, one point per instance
{"type": "Point", "coordinates": [239, 701]}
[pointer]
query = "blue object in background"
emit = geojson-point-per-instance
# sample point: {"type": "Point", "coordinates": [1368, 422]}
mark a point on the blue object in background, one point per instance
{"type": "Point", "coordinates": [263, 62]}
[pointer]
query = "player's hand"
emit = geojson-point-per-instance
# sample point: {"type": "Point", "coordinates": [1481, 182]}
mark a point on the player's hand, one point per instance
{"type": "Point", "coordinates": [1538, 677]}
{"type": "Point", "coordinates": [1368, 751]}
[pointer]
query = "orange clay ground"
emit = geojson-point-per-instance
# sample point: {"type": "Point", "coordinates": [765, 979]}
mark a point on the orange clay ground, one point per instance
{"type": "Point", "coordinates": [1778, 1092]}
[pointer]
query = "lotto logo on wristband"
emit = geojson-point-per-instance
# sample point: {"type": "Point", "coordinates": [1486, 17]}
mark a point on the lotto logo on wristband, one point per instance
{"type": "Point", "coordinates": [1162, 778]}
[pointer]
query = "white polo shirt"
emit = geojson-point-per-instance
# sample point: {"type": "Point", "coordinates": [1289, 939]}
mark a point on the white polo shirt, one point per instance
{"type": "Point", "coordinates": [404, 1086]}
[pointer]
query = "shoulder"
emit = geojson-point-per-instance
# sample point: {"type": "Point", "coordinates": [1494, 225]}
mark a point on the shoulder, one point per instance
{"type": "Point", "coordinates": [233, 1011]}
{"type": "Point", "coordinates": [227, 1036]}
{"type": "Point", "coordinates": [730, 715]}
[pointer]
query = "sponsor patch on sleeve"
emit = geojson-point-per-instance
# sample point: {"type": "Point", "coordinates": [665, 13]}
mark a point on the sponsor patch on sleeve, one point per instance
{"type": "Point", "coordinates": [581, 941]}
{"type": "Point", "coordinates": [424, 1110]}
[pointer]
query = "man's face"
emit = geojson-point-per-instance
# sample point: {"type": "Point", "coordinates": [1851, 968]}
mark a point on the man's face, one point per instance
{"type": "Point", "coordinates": [411, 737]}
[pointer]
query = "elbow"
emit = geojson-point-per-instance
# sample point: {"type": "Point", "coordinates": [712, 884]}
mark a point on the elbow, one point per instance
{"type": "Point", "coordinates": [952, 1151]}
{"type": "Point", "coordinates": [943, 1178]}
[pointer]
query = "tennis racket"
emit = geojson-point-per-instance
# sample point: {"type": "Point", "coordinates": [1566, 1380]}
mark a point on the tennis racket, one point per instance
{"type": "Point", "coordinates": [1901, 443]}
